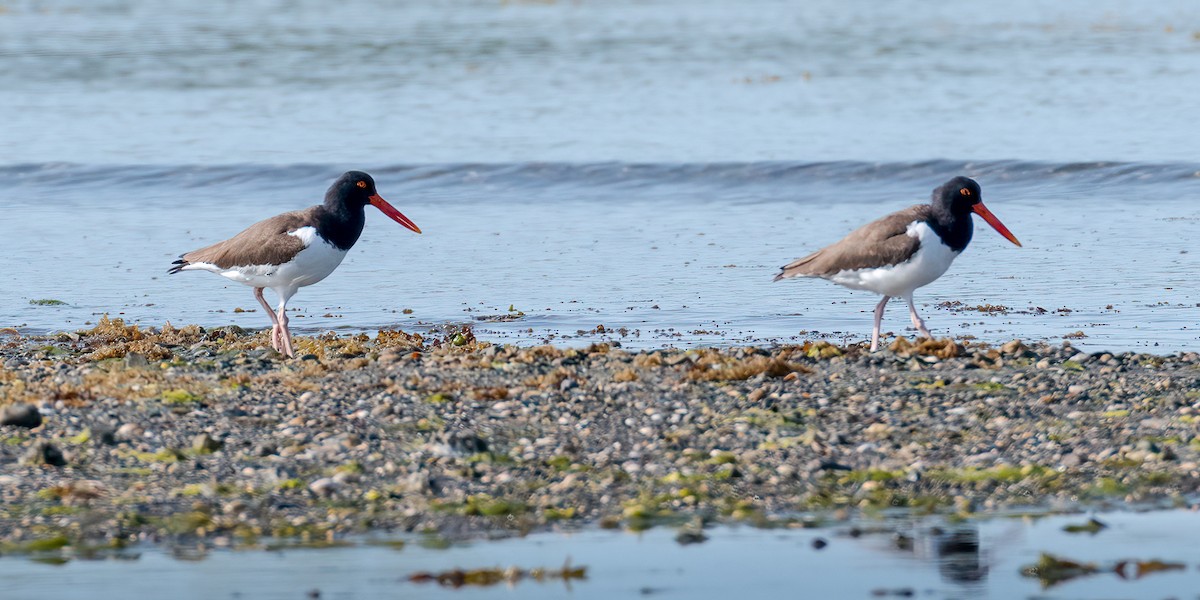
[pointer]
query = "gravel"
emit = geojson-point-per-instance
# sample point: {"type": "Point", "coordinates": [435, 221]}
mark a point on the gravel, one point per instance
{"type": "Point", "coordinates": [202, 437]}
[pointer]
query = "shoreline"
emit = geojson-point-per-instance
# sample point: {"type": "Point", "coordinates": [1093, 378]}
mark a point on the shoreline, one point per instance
{"type": "Point", "coordinates": [209, 437]}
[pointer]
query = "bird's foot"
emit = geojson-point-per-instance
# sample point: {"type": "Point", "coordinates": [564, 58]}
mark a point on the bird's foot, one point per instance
{"type": "Point", "coordinates": [287, 346]}
{"type": "Point", "coordinates": [285, 336]}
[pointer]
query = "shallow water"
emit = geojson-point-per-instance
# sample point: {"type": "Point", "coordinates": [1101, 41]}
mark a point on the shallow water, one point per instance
{"type": "Point", "coordinates": [642, 165]}
{"type": "Point", "coordinates": [676, 254]}
{"type": "Point", "coordinates": [972, 560]}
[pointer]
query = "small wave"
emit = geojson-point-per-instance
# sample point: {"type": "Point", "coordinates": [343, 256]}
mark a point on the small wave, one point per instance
{"type": "Point", "coordinates": [596, 177]}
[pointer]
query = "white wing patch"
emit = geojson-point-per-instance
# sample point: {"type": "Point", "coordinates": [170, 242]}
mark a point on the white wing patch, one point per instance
{"type": "Point", "coordinates": [306, 234]}
{"type": "Point", "coordinates": [929, 262]}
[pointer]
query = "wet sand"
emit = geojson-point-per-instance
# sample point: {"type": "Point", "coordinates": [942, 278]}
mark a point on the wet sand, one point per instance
{"type": "Point", "coordinates": [190, 436]}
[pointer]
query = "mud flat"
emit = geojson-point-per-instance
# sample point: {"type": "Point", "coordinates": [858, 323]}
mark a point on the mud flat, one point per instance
{"type": "Point", "coordinates": [116, 435]}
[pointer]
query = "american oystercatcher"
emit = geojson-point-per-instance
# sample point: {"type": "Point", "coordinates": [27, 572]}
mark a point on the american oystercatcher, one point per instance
{"type": "Point", "coordinates": [904, 250]}
{"type": "Point", "coordinates": [295, 249]}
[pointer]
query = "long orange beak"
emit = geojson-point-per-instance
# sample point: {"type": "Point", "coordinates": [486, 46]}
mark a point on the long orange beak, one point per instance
{"type": "Point", "coordinates": [378, 202]}
{"type": "Point", "coordinates": [991, 219]}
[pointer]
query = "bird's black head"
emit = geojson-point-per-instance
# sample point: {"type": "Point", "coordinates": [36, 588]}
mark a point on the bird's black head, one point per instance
{"type": "Point", "coordinates": [958, 196]}
{"type": "Point", "coordinates": [352, 189]}
{"type": "Point", "coordinates": [955, 200]}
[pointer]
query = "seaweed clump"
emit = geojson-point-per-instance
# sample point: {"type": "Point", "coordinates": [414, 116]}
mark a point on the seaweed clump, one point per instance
{"type": "Point", "coordinates": [712, 365]}
{"type": "Point", "coordinates": [112, 338]}
{"type": "Point", "coordinates": [457, 578]}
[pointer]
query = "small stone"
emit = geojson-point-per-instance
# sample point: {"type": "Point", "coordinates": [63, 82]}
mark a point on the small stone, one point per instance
{"type": "Point", "coordinates": [964, 504]}
{"type": "Point", "coordinates": [1071, 460]}
{"type": "Point", "coordinates": [325, 487]}
{"type": "Point", "coordinates": [104, 435]}
{"type": "Point", "coordinates": [21, 415]}
{"type": "Point", "coordinates": [129, 432]}
{"type": "Point", "coordinates": [347, 478]}
{"type": "Point", "coordinates": [467, 443]}
{"type": "Point", "coordinates": [689, 536]}
{"type": "Point", "coordinates": [568, 384]}
{"type": "Point", "coordinates": [819, 543]}
{"type": "Point", "coordinates": [205, 443]}
{"type": "Point", "coordinates": [828, 465]}
{"type": "Point", "coordinates": [133, 360]}
{"type": "Point", "coordinates": [44, 453]}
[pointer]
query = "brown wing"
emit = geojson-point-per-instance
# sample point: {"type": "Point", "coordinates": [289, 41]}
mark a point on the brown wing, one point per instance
{"type": "Point", "coordinates": [877, 244]}
{"type": "Point", "coordinates": [263, 243]}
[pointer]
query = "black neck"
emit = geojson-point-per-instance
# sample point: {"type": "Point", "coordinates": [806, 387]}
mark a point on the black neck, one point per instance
{"type": "Point", "coordinates": [955, 230]}
{"type": "Point", "coordinates": [340, 224]}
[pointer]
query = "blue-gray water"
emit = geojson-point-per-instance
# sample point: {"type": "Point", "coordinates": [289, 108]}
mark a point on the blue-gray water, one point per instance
{"type": "Point", "coordinates": [675, 81]}
{"type": "Point", "coordinates": [974, 561]}
{"type": "Point", "coordinates": [645, 165]}
{"type": "Point", "coordinates": [638, 164]}
{"type": "Point", "coordinates": [677, 254]}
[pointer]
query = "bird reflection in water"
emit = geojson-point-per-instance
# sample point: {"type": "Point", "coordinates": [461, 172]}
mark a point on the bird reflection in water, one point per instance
{"type": "Point", "coordinates": [958, 555]}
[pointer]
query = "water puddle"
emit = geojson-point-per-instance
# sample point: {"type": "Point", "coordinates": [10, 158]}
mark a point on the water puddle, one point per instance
{"type": "Point", "coordinates": [1128, 555]}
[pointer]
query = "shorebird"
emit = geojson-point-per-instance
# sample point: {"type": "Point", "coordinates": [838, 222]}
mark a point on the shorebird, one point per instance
{"type": "Point", "coordinates": [903, 251]}
{"type": "Point", "coordinates": [294, 249]}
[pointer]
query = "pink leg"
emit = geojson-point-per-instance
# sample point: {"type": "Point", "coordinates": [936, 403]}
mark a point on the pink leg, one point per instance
{"type": "Point", "coordinates": [878, 321]}
{"type": "Point", "coordinates": [258, 293]}
{"type": "Point", "coordinates": [285, 335]}
{"type": "Point", "coordinates": [917, 321]}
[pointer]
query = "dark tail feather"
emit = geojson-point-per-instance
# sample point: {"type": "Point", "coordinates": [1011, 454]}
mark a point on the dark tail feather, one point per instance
{"type": "Point", "coordinates": [179, 265]}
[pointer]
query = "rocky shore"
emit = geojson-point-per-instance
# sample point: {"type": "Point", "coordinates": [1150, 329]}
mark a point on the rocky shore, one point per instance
{"type": "Point", "coordinates": [117, 434]}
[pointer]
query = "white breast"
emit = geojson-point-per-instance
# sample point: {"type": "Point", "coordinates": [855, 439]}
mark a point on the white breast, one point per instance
{"type": "Point", "coordinates": [929, 262]}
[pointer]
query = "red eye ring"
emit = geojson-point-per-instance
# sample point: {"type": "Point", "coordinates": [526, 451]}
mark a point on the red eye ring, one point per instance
{"type": "Point", "coordinates": [362, 184]}
{"type": "Point", "coordinates": [965, 192]}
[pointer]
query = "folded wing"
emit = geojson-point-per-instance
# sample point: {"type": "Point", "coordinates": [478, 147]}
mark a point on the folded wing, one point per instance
{"type": "Point", "coordinates": [880, 243]}
{"type": "Point", "coordinates": [264, 243]}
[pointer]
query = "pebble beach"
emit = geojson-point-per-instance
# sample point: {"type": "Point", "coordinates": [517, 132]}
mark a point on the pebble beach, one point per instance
{"type": "Point", "coordinates": [206, 437]}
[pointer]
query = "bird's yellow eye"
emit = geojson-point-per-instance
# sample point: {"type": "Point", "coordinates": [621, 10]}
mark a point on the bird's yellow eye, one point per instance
{"type": "Point", "coordinates": [362, 184]}
{"type": "Point", "coordinates": [965, 192]}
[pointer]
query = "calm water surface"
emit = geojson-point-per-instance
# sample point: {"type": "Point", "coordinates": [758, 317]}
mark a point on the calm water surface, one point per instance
{"type": "Point", "coordinates": [636, 164]}
{"type": "Point", "coordinates": [968, 561]}
{"type": "Point", "coordinates": [374, 82]}
{"type": "Point", "coordinates": [676, 254]}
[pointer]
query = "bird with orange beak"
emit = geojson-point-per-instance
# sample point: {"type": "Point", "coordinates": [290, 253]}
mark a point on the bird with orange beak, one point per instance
{"type": "Point", "coordinates": [903, 251]}
{"type": "Point", "coordinates": [289, 251]}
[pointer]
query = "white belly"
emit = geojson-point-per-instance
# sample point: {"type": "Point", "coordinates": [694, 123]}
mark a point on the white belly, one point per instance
{"type": "Point", "coordinates": [930, 261]}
